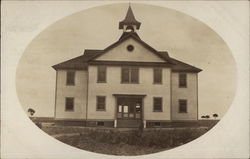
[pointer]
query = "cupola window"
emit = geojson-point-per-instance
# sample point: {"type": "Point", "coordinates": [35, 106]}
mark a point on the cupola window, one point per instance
{"type": "Point", "coordinates": [129, 28]}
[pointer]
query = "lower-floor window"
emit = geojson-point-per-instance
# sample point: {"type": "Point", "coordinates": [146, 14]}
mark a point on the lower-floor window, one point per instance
{"type": "Point", "coordinates": [157, 104]}
{"type": "Point", "coordinates": [182, 106]}
{"type": "Point", "coordinates": [69, 104]}
{"type": "Point", "coordinates": [100, 123]}
{"type": "Point", "coordinates": [100, 103]}
{"type": "Point", "coordinates": [157, 124]}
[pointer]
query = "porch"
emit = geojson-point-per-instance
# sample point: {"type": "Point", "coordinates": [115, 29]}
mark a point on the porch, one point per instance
{"type": "Point", "coordinates": [129, 111]}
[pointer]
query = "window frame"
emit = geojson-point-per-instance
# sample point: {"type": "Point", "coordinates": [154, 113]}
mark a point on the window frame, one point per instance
{"type": "Point", "coordinates": [154, 75]}
{"type": "Point", "coordinates": [98, 73]}
{"type": "Point", "coordinates": [98, 123]}
{"type": "Point", "coordinates": [157, 124]}
{"type": "Point", "coordinates": [123, 81]}
{"type": "Point", "coordinates": [73, 106]}
{"type": "Point", "coordinates": [130, 75]}
{"type": "Point", "coordinates": [186, 104]}
{"type": "Point", "coordinates": [161, 106]}
{"type": "Point", "coordinates": [97, 103]}
{"type": "Point", "coordinates": [138, 75]}
{"type": "Point", "coordinates": [180, 80]}
{"type": "Point", "coordinates": [68, 83]}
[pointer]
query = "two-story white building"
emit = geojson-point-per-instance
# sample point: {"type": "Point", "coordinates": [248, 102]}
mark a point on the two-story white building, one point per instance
{"type": "Point", "coordinates": [126, 84]}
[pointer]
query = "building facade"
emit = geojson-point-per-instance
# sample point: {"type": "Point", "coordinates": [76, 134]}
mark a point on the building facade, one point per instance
{"type": "Point", "coordinates": [127, 84]}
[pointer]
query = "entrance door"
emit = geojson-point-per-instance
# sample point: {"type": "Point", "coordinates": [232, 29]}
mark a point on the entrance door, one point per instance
{"type": "Point", "coordinates": [129, 111]}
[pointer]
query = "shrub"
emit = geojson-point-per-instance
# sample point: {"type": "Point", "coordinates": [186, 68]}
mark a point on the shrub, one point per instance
{"type": "Point", "coordinates": [114, 142]}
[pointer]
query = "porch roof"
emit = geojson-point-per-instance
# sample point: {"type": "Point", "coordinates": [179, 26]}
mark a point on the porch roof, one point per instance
{"type": "Point", "coordinates": [129, 95]}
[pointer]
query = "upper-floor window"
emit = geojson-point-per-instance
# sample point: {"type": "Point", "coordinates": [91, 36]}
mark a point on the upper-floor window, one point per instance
{"type": "Point", "coordinates": [100, 103]}
{"type": "Point", "coordinates": [69, 104]}
{"type": "Point", "coordinates": [70, 79]}
{"type": "Point", "coordinates": [157, 75]}
{"type": "Point", "coordinates": [182, 106]}
{"type": "Point", "coordinates": [101, 74]}
{"type": "Point", "coordinates": [130, 75]}
{"type": "Point", "coordinates": [157, 104]}
{"type": "Point", "coordinates": [182, 80]}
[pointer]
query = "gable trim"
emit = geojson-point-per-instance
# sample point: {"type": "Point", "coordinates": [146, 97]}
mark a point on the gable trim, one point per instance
{"type": "Point", "coordinates": [138, 40]}
{"type": "Point", "coordinates": [130, 63]}
{"type": "Point", "coordinates": [184, 67]}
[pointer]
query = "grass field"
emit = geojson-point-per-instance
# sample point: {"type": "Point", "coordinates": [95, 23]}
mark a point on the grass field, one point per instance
{"type": "Point", "coordinates": [129, 142]}
{"type": "Point", "coordinates": [93, 145]}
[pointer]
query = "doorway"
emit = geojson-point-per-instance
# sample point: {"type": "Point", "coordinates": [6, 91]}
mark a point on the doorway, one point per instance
{"type": "Point", "coordinates": [129, 111]}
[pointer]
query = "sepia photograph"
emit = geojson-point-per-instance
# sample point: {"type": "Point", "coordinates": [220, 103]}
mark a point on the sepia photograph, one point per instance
{"type": "Point", "coordinates": [126, 79]}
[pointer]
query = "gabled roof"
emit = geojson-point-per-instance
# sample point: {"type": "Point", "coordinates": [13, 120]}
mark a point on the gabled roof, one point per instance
{"type": "Point", "coordinates": [135, 37]}
{"type": "Point", "coordinates": [183, 67]}
{"type": "Point", "coordinates": [75, 63]}
{"type": "Point", "coordinates": [91, 52]}
{"type": "Point", "coordinates": [129, 20]}
{"type": "Point", "coordinates": [124, 34]}
{"type": "Point", "coordinates": [89, 56]}
{"type": "Point", "coordinates": [79, 62]}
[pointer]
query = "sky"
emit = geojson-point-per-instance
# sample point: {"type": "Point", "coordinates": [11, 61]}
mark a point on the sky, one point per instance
{"type": "Point", "coordinates": [184, 37]}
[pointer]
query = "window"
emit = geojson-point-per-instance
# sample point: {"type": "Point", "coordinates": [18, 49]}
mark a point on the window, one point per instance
{"type": "Point", "coordinates": [182, 106]}
{"type": "Point", "coordinates": [101, 74]}
{"type": "Point", "coordinates": [69, 104]}
{"type": "Point", "coordinates": [157, 124]}
{"type": "Point", "coordinates": [100, 123]}
{"type": "Point", "coordinates": [125, 75]}
{"type": "Point", "coordinates": [157, 75]}
{"type": "Point", "coordinates": [129, 28]}
{"type": "Point", "coordinates": [157, 104]}
{"type": "Point", "coordinates": [70, 79]}
{"type": "Point", "coordinates": [182, 80]}
{"type": "Point", "coordinates": [134, 75]}
{"type": "Point", "coordinates": [130, 75]}
{"type": "Point", "coordinates": [125, 108]}
{"type": "Point", "coordinates": [100, 103]}
{"type": "Point", "coordinates": [130, 48]}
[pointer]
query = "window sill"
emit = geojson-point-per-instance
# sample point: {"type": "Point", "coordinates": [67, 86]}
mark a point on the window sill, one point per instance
{"type": "Point", "coordinates": [158, 83]}
{"type": "Point", "coordinates": [182, 112]}
{"type": "Point", "coordinates": [100, 125]}
{"type": "Point", "coordinates": [182, 87]}
{"type": "Point", "coordinates": [157, 111]}
{"type": "Point", "coordinates": [101, 110]}
{"type": "Point", "coordinates": [128, 83]}
{"type": "Point", "coordinates": [70, 84]}
{"type": "Point", "coordinates": [69, 110]}
{"type": "Point", "coordinates": [101, 82]}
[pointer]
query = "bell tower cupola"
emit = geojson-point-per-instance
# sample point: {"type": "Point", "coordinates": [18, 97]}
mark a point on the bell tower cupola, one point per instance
{"type": "Point", "coordinates": [129, 24]}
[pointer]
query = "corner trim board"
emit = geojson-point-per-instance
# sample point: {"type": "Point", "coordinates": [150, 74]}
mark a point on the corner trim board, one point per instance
{"type": "Point", "coordinates": [55, 95]}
